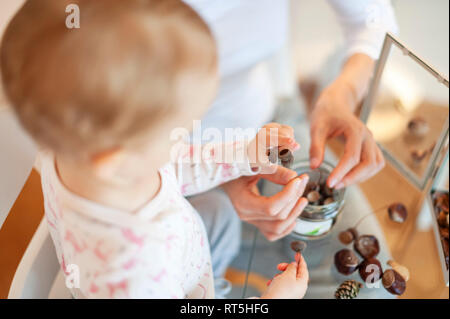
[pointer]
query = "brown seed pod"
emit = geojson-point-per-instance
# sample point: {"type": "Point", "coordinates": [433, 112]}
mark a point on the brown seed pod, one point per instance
{"type": "Point", "coordinates": [348, 236]}
{"type": "Point", "coordinates": [398, 213]}
{"type": "Point", "coordinates": [394, 282]}
{"type": "Point", "coordinates": [418, 127]}
{"type": "Point", "coordinates": [444, 232]}
{"type": "Point", "coordinates": [346, 261]}
{"type": "Point", "coordinates": [286, 158]}
{"type": "Point", "coordinates": [442, 219]}
{"type": "Point", "coordinates": [298, 246]}
{"type": "Point", "coordinates": [313, 197]}
{"type": "Point", "coordinates": [402, 270]}
{"type": "Point", "coordinates": [367, 246]}
{"type": "Point", "coordinates": [370, 270]}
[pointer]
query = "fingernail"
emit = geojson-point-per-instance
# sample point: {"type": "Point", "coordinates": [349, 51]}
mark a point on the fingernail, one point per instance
{"type": "Point", "coordinates": [332, 182]}
{"type": "Point", "coordinates": [340, 185]}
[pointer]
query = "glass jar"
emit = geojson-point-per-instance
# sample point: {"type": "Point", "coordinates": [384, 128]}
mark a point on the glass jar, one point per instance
{"type": "Point", "coordinates": [317, 221]}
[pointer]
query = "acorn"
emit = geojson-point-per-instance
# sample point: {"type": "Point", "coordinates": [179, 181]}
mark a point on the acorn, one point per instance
{"type": "Point", "coordinates": [286, 158]}
{"type": "Point", "coordinates": [298, 246]}
{"type": "Point", "coordinates": [313, 197]}
{"type": "Point", "coordinates": [444, 232]}
{"type": "Point", "coordinates": [370, 267]}
{"type": "Point", "coordinates": [442, 219]}
{"type": "Point", "coordinates": [398, 213]}
{"type": "Point", "coordinates": [367, 246]}
{"type": "Point", "coordinates": [400, 269]}
{"type": "Point", "coordinates": [394, 282]}
{"type": "Point", "coordinates": [346, 261]}
{"type": "Point", "coordinates": [348, 236]}
{"type": "Point", "coordinates": [418, 127]}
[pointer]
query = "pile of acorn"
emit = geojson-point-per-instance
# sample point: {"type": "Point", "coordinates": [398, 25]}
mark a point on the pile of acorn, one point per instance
{"type": "Point", "coordinates": [367, 246]}
{"type": "Point", "coordinates": [319, 194]}
{"type": "Point", "coordinates": [440, 201]}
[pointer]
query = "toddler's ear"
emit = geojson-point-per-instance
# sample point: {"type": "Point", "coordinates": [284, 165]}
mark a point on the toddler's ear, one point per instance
{"type": "Point", "coordinates": [106, 163]}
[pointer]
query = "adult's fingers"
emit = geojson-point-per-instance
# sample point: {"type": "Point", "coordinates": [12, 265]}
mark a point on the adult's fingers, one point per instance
{"type": "Point", "coordinates": [270, 236]}
{"type": "Point", "coordinates": [292, 192]}
{"type": "Point", "coordinates": [281, 176]}
{"type": "Point", "coordinates": [319, 135]}
{"type": "Point", "coordinates": [351, 157]}
{"type": "Point", "coordinates": [371, 164]}
{"type": "Point", "coordinates": [280, 227]}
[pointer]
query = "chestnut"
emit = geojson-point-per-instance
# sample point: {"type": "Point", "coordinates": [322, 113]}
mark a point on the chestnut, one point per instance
{"type": "Point", "coordinates": [346, 261]}
{"type": "Point", "coordinates": [286, 158]}
{"type": "Point", "coordinates": [370, 267]}
{"type": "Point", "coordinates": [398, 213]}
{"type": "Point", "coordinates": [313, 197]}
{"type": "Point", "coordinates": [394, 282]}
{"type": "Point", "coordinates": [418, 127]}
{"type": "Point", "coordinates": [328, 201]}
{"type": "Point", "coordinates": [298, 246]}
{"type": "Point", "coordinates": [442, 219]}
{"type": "Point", "coordinates": [348, 236]}
{"type": "Point", "coordinates": [367, 246]}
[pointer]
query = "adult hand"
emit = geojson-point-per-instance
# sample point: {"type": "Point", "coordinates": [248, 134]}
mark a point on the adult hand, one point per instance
{"type": "Point", "coordinates": [275, 216]}
{"type": "Point", "coordinates": [333, 116]}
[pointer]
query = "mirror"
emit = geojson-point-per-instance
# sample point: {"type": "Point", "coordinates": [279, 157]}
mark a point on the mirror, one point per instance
{"type": "Point", "coordinates": [407, 111]}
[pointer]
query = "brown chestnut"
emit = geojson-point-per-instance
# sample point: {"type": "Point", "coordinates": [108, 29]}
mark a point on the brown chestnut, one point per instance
{"type": "Point", "coordinates": [418, 127]}
{"type": "Point", "coordinates": [398, 213]}
{"type": "Point", "coordinates": [370, 270]}
{"type": "Point", "coordinates": [348, 236]}
{"type": "Point", "coordinates": [328, 201]}
{"type": "Point", "coordinates": [394, 282]}
{"type": "Point", "coordinates": [442, 219]}
{"type": "Point", "coordinates": [286, 158]}
{"type": "Point", "coordinates": [346, 261]}
{"type": "Point", "coordinates": [298, 246]}
{"type": "Point", "coordinates": [313, 197]}
{"type": "Point", "coordinates": [367, 246]}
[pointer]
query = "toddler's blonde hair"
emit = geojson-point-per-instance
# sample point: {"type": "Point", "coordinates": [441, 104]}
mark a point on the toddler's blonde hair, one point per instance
{"type": "Point", "coordinates": [103, 85]}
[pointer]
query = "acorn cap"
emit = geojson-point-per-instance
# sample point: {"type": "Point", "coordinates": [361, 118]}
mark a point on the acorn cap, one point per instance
{"type": "Point", "coordinates": [367, 246]}
{"type": "Point", "coordinates": [393, 282]}
{"type": "Point", "coordinates": [370, 267]}
{"type": "Point", "coordinates": [346, 261]}
{"type": "Point", "coordinates": [398, 213]}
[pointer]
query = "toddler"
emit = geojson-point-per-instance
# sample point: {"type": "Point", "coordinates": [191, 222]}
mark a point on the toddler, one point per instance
{"type": "Point", "coordinates": [102, 101]}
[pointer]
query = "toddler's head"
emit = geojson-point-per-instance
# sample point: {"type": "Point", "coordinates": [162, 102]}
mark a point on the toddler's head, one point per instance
{"type": "Point", "coordinates": [134, 70]}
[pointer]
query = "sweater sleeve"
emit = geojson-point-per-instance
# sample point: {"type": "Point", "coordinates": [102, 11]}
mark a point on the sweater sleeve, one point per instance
{"type": "Point", "coordinates": [365, 24]}
{"type": "Point", "coordinates": [199, 168]}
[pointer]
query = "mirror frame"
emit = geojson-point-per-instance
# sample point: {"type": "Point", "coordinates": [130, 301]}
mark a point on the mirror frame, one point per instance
{"type": "Point", "coordinates": [440, 151]}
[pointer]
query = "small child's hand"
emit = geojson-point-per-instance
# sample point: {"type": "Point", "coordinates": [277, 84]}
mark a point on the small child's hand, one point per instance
{"type": "Point", "coordinates": [292, 283]}
{"type": "Point", "coordinates": [272, 135]}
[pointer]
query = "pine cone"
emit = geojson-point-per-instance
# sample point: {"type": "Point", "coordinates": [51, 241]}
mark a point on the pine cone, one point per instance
{"type": "Point", "coordinates": [349, 289]}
